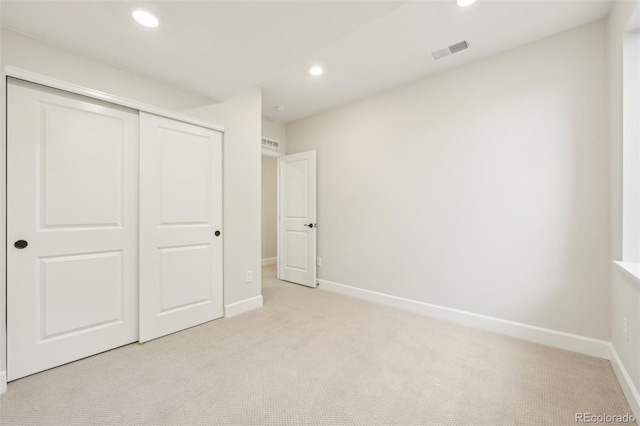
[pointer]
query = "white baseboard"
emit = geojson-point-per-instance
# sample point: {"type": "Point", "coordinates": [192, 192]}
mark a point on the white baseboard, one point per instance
{"type": "Point", "coordinates": [3, 382]}
{"type": "Point", "coordinates": [545, 336]}
{"type": "Point", "coordinates": [269, 261]}
{"type": "Point", "coordinates": [629, 389]}
{"type": "Point", "coordinates": [246, 305]}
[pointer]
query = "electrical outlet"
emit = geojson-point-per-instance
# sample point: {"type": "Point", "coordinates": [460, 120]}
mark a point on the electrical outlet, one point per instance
{"type": "Point", "coordinates": [625, 330]}
{"type": "Point", "coordinates": [318, 261]}
{"type": "Point", "coordinates": [249, 276]}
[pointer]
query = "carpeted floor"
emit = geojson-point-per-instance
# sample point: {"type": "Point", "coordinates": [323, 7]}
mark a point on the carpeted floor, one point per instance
{"type": "Point", "coordinates": [313, 357]}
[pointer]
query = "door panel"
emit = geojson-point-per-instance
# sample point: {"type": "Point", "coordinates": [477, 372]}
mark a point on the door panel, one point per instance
{"type": "Point", "coordinates": [297, 189]}
{"type": "Point", "coordinates": [185, 162]}
{"type": "Point", "coordinates": [72, 196]}
{"type": "Point", "coordinates": [296, 258]}
{"type": "Point", "coordinates": [81, 143]}
{"type": "Point", "coordinates": [92, 306]}
{"type": "Point", "coordinates": [180, 211]}
{"type": "Point", "coordinates": [186, 277]}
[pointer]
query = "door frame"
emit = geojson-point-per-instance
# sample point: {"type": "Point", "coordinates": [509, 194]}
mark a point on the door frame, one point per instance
{"type": "Point", "coordinates": [54, 83]}
{"type": "Point", "coordinates": [278, 224]}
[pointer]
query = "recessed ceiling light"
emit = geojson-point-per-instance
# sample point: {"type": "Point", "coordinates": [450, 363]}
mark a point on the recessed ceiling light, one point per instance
{"type": "Point", "coordinates": [465, 3]}
{"type": "Point", "coordinates": [316, 70]}
{"type": "Point", "coordinates": [145, 18]}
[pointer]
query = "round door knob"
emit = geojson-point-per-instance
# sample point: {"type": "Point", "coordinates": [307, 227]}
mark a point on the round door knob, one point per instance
{"type": "Point", "coordinates": [20, 244]}
{"type": "Point", "coordinates": [217, 233]}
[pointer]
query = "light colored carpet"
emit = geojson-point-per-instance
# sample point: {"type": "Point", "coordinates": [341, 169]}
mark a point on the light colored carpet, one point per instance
{"type": "Point", "coordinates": [313, 357]}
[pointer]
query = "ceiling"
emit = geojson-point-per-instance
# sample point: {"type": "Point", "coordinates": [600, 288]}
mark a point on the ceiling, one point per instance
{"type": "Point", "coordinates": [221, 48]}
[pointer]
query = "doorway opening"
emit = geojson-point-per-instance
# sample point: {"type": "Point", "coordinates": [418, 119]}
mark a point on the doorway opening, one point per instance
{"type": "Point", "coordinates": [273, 147]}
{"type": "Point", "coordinates": [269, 248]}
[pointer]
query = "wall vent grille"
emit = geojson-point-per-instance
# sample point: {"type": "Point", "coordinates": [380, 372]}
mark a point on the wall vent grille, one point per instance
{"type": "Point", "coordinates": [454, 48]}
{"type": "Point", "coordinates": [270, 143]}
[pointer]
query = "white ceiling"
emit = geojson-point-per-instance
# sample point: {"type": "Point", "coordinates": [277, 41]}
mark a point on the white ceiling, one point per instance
{"type": "Point", "coordinates": [221, 48]}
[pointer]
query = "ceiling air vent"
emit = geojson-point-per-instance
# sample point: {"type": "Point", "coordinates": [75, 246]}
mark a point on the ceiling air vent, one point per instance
{"type": "Point", "coordinates": [270, 143]}
{"type": "Point", "coordinates": [454, 48]}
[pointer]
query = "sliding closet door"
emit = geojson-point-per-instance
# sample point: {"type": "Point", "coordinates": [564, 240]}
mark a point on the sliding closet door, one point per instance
{"type": "Point", "coordinates": [72, 213]}
{"type": "Point", "coordinates": [180, 226]}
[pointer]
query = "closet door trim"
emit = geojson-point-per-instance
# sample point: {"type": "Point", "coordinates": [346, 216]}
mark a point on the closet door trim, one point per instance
{"type": "Point", "coordinates": [96, 94]}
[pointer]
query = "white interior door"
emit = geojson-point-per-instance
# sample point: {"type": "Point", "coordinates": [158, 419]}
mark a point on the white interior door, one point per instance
{"type": "Point", "coordinates": [297, 226]}
{"type": "Point", "coordinates": [180, 226]}
{"type": "Point", "coordinates": [72, 214]}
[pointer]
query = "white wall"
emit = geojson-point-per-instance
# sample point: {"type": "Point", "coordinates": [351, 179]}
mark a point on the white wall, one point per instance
{"type": "Point", "coordinates": [240, 115]}
{"type": "Point", "coordinates": [277, 131]}
{"type": "Point", "coordinates": [484, 188]}
{"type": "Point", "coordinates": [625, 290]}
{"type": "Point", "coordinates": [33, 55]}
{"type": "Point", "coordinates": [269, 207]}
{"type": "Point", "coordinates": [631, 148]}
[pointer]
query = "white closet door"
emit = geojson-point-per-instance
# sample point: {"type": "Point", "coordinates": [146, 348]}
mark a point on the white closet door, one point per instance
{"type": "Point", "coordinates": [72, 212]}
{"type": "Point", "coordinates": [180, 226]}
